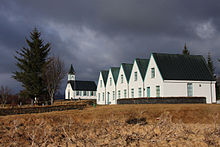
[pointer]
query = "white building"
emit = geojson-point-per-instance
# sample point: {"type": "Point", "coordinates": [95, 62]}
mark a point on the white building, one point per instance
{"type": "Point", "coordinates": [111, 89]}
{"type": "Point", "coordinates": [76, 89]}
{"type": "Point", "coordinates": [101, 87]}
{"type": "Point", "coordinates": [164, 75]}
{"type": "Point", "coordinates": [173, 75]}
{"type": "Point", "coordinates": [136, 82]}
{"type": "Point", "coordinates": [123, 80]}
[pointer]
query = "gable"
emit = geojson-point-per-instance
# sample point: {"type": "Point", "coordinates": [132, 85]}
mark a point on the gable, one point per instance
{"type": "Point", "coordinates": [182, 67]}
{"type": "Point", "coordinates": [142, 66]}
{"type": "Point", "coordinates": [127, 70]}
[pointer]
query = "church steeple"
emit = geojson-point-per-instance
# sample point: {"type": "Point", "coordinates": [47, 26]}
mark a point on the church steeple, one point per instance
{"type": "Point", "coordinates": [71, 74]}
{"type": "Point", "coordinates": [185, 50]}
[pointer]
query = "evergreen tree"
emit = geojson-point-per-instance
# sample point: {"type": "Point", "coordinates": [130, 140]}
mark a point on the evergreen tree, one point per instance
{"type": "Point", "coordinates": [210, 64]}
{"type": "Point", "coordinates": [31, 62]}
{"type": "Point", "coordinates": [185, 50]}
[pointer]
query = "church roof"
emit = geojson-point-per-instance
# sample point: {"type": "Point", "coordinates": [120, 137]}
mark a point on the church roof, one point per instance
{"type": "Point", "coordinates": [115, 72]}
{"type": "Point", "coordinates": [182, 67]}
{"type": "Point", "coordinates": [142, 66]}
{"type": "Point", "coordinates": [83, 85]}
{"type": "Point", "coordinates": [104, 75]}
{"type": "Point", "coordinates": [127, 70]}
{"type": "Point", "coordinates": [71, 71]}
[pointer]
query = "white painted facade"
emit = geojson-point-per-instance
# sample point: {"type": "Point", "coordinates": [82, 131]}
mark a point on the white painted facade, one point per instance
{"type": "Point", "coordinates": [71, 94]}
{"type": "Point", "coordinates": [175, 88]}
{"type": "Point", "coordinates": [152, 82]}
{"type": "Point", "coordinates": [153, 85]}
{"type": "Point", "coordinates": [122, 84]}
{"type": "Point", "coordinates": [111, 89]}
{"type": "Point", "coordinates": [136, 83]}
{"type": "Point", "coordinates": [101, 91]}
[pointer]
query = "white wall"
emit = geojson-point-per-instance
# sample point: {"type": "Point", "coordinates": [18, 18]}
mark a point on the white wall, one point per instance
{"type": "Point", "coordinates": [68, 88]}
{"type": "Point", "coordinates": [136, 84]}
{"type": "Point", "coordinates": [110, 89]}
{"type": "Point", "coordinates": [153, 82]}
{"type": "Point", "coordinates": [122, 86]}
{"type": "Point", "coordinates": [200, 89]}
{"type": "Point", "coordinates": [100, 90]}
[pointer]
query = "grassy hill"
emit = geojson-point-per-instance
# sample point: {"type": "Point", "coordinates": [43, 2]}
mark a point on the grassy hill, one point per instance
{"type": "Point", "coordinates": [116, 125]}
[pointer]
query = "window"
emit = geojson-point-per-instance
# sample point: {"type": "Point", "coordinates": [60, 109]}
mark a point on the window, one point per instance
{"type": "Point", "coordinates": [84, 93]}
{"type": "Point", "coordinates": [152, 72]}
{"type": "Point", "coordinates": [132, 93]}
{"type": "Point", "coordinates": [135, 76]}
{"type": "Point", "coordinates": [119, 94]}
{"type": "Point", "coordinates": [113, 95]}
{"type": "Point", "coordinates": [68, 94]}
{"type": "Point", "coordinates": [189, 89]}
{"type": "Point", "coordinates": [121, 78]}
{"type": "Point", "coordinates": [103, 96]}
{"type": "Point", "coordinates": [110, 81]}
{"type": "Point", "coordinates": [157, 91]}
{"type": "Point", "coordinates": [94, 93]}
{"type": "Point", "coordinates": [80, 93]}
{"type": "Point", "coordinates": [91, 93]}
{"type": "Point", "coordinates": [139, 92]}
{"type": "Point", "coordinates": [101, 83]}
{"type": "Point", "coordinates": [98, 96]}
{"type": "Point", "coordinates": [77, 93]}
{"type": "Point", "coordinates": [148, 91]}
{"type": "Point", "coordinates": [125, 93]}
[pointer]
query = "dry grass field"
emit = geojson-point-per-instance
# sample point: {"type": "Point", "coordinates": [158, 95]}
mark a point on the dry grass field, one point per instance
{"type": "Point", "coordinates": [116, 125]}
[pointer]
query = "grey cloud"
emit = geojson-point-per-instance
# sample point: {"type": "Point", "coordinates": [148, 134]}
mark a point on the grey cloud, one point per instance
{"type": "Point", "coordinates": [94, 35]}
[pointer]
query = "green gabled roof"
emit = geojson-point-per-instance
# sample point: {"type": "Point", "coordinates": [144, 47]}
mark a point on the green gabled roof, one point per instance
{"type": "Point", "coordinates": [127, 70]}
{"type": "Point", "coordinates": [183, 67]}
{"type": "Point", "coordinates": [104, 75]}
{"type": "Point", "coordinates": [142, 65]}
{"type": "Point", "coordinates": [115, 72]}
{"type": "Point", "coordinates": [71, 71]}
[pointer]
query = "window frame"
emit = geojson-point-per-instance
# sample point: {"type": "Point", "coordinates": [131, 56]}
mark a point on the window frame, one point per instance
{"type": "Point", "coordinates": [139, 92]}
{"type": "Point", "coordinates": [158, 91]}
{"type": "Point", "coordinates": [135, 76]}
{"type": "Point", "coordinates": [152, 72]}
{"type": "Point", "coordinates": [189, 89]}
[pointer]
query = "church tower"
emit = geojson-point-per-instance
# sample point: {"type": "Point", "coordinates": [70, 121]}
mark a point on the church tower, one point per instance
{"type": "Point", "coordinates": [71, 74]}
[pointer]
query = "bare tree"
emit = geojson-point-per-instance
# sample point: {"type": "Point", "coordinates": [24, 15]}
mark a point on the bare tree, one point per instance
{"type": "Point", "coordinates": [54, 73]}
{"type": "Point", "coordinates": [5, 92]}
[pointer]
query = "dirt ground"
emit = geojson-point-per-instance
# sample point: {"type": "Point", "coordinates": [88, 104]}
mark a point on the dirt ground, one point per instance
{"type": "Point", "coordinates": [116, 125]}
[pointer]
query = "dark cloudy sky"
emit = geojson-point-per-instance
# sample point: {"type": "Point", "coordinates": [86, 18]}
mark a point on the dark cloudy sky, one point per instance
{"type": "Point", "coordinates": [96, 34]}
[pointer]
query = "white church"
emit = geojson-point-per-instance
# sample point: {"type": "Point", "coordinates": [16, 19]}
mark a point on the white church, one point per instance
{"type": "Point", "coordinates": [76, 89]}
{"type": "Point", "coordinates": [163, 75]}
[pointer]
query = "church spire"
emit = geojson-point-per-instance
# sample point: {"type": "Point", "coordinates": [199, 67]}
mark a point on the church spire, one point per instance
{"type": "Point", "coordinates": [71, 74]}
{"type": "Point", "coordinates": [185, 50]}
{"type": "Point", "coordinates": [71, 71]}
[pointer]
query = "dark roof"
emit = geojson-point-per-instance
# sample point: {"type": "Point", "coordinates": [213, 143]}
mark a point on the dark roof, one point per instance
{"type": "Point", "coordinates": [142, 65]}
{"type": "Point", "coordinates": [115, 72]}
{"type": "Point", "coordinates": [104, 75]}
{"type": "Point", "coordinates": [83, 85]}
{"type": "Point", "coordinates": [182, 67]}
{"type": "Point", "coordinates": [127, 69]}
{"type": "Point", "coordinates": [71, 71]}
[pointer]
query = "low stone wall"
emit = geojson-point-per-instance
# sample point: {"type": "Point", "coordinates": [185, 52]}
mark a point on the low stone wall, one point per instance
{"type": "Point", "coordinates": [14, 111]}
{"type": "Point", "coordinates": [163, 100]}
